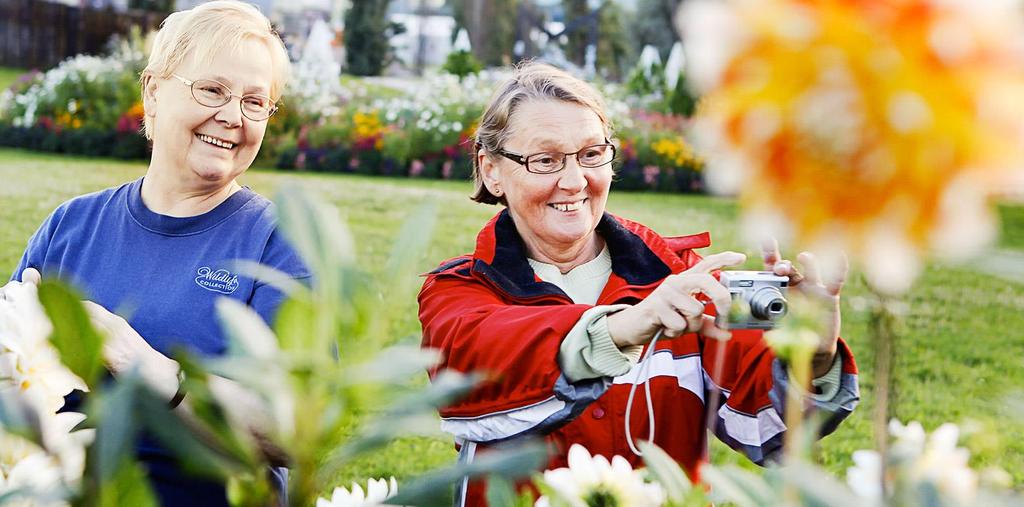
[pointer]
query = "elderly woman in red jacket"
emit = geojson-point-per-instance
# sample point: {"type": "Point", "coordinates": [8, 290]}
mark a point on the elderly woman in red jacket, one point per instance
{"type": "Point", "coordinates": [559, 298]}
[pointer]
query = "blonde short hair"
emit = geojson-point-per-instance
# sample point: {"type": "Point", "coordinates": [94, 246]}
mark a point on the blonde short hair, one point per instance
{"type": "Point", "coordinates": [529, 81]}
{"type": "Point", "coordinates": [208, 28]}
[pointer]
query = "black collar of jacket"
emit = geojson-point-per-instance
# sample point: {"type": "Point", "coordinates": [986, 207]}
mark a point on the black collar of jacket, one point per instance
{"type": "Point", "coordinates": [632, 259]}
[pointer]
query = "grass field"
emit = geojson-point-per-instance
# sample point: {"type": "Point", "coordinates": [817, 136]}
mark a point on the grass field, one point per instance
{"type": "Point", "coordinates": [8, 75]}
{"type": "Point", "coordinates": [960, 356]}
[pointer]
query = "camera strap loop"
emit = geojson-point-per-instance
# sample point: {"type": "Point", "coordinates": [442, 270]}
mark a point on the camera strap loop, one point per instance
{"type": "Point", "coordinates": [643, 367]}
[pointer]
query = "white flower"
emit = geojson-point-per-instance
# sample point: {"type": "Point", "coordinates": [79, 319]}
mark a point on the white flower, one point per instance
{"type": "Point", "coordinates": [44, 474]}
{"type": "Point", "coordinates": [914, 459]}
{"type": "Point", "coordinates": [36, 478]}
{"type": "Point", "coordinates": [589, 479]}
{"type": "Point", "coordinates": [945, 465]}
{"type": "Point", "coordinates": [377, 491]}
{"type": "Point", "coordinates": [865, 477]}
{"type": "Point", "coordinates": [28, 361]}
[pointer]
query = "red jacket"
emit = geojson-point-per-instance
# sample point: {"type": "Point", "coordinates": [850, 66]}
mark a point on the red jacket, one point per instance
{"type": "Point", "coordinates": [488, 312]}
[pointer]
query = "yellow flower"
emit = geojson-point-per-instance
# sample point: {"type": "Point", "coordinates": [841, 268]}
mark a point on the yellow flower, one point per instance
{"type": "Point", "coordinates": [878, 126]}
{"type": "Point", "coordinates": [367, 125]}
{"type": "Point", "coordinates": [674, 150]}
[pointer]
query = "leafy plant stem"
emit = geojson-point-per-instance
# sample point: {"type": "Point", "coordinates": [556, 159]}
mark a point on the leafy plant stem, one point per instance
{"type": "Point", "coordinates": [883, 334]}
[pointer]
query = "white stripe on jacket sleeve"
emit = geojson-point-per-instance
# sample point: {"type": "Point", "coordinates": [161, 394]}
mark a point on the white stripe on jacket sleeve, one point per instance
{"type": "Point", "coordinates": [501, 425]}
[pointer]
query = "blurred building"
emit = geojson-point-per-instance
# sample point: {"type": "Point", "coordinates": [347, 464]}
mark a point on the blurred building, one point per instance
{"type": "Point", "coordinates": [429, 33]}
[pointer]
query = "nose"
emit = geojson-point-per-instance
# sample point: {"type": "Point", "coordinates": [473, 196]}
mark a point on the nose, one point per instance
{"type": "Point", "coordinates": [230, 114]}
{"type": "Point", "coordinates": [572, 179]}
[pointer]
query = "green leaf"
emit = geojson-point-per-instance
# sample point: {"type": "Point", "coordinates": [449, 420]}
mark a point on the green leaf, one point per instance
{"type": "Point", "coordinates": [314, 228]}
{"type": "Point", "coordinates": [205, 440]}
{"type": "Point", "coordinates": [295, 324]}
{"type": "Point", "coordinates": [500, 491]}
{"type": "Point", "coordinates": [413, 238]}
{"type": "Point", "coordinates": [434, 488]}
{"type": "Point", "coordinates": [117, 427]}
{"type": "Point", "coordinates": [79, 345]}
{"type": "Point", "coordinates": [271, 276]}
{"type": "Point", "coordinates": [200, 451]}
{"type": "Point", "coordinates": [18, 417]}
{"type": "Point", "coordinates": [738, 486]}
{"type": "Point", "coordinates": [395, 364]}
{"type": "Point", "coordinates": [817, 486]}
{"type": "Point", "coordinates": [127, 486]}
{"type": "Point", "coordinates": [409, 414]}
{"type": "Point", "coordinates": [248, 334]}
{"type": "Point", "coordinates": [666, 471]}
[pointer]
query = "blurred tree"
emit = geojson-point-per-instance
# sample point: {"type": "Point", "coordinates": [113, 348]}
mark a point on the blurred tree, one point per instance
{"type": "Point", "coordinates": [613, 51]}
{"type": "Point", "coordinates": [367, 37]}
{"type": "Point", "coordinates": [491, 27]}
{"type": "Point", "coordinates": [578, 30]}
{"type": "Point", "coordinates": [462, 63]}
{"type": "Point", "coordinates": [608, 33]}
{"type": "Point", "coordinates": [654, 24]}
{"type": "Point", "coordinates": [152, 5]}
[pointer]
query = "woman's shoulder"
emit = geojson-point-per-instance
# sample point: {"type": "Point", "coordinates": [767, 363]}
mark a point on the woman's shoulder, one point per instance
{"type": "Point", "coordinates": [458, 266]}
{"type": "Point", "coordinates": [88, 204]}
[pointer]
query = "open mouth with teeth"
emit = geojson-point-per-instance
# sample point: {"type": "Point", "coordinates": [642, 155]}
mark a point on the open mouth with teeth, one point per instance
{"type": "Point", "coordinates": [220, 143]}
{"type": "Point", "coordinates": [568, 207]}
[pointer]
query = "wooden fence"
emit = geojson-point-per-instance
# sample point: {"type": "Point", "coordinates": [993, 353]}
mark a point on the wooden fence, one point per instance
{"type": "Point", "coordinates": [35, 34]}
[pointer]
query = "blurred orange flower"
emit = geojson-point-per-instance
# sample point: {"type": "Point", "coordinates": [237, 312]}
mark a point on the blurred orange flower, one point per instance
{"type": "Point", "coordinates": [136, 111]}
{"type": "Point", "coordinates": [879, 127]}
{"type": "Point", "coordinates": [68, 120]}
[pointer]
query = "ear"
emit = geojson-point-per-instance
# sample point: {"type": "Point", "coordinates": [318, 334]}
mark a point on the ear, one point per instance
{"type": "Point", "coordinates": [490, 173]}
{"type": "Point", "coordinates": [149, 88]}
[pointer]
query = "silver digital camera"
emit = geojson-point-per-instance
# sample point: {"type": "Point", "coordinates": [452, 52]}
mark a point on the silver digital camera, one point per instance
{"type": "Point", "coordinates": [758, 299]}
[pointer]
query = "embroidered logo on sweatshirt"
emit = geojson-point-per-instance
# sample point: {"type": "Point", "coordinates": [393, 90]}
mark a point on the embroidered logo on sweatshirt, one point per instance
{"type": "Point", "coordinates": [221, 280]}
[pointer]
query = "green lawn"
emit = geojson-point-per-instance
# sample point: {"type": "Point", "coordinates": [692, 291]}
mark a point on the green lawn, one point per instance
{"type": "Point", "coordinates": [8, 75]}
{"type": "Point", "coordinates": [960, 356]}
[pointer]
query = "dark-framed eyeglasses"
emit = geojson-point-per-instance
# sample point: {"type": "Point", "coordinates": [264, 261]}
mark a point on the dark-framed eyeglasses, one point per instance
{"type": "Point", "coordinates": [212, 93]}
{"type": "Point", "coordinates": [548, 162]}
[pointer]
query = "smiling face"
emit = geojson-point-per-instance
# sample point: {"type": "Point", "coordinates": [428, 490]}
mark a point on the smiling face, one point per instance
{"type": "Point", "coordinates": [556, 214]}
{"type": "Point", "coordinates": [200, 146]}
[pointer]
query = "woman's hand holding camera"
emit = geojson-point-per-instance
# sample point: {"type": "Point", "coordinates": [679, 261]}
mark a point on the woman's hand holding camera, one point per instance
{"type": "Point", "coordinates": [673, 307]}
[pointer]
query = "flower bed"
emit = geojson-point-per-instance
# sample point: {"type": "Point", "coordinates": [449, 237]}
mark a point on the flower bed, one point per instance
{"type": "Point", "coordinates": [90, 106]}
{"type": "Point", "coordinates": [430, 136]}
{"type": "Point", "coordinates": [87, 105]}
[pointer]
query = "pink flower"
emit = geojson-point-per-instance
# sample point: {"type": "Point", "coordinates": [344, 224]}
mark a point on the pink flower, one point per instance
{"type": "Point", "coordinates": [416, 168]}
{"type": "Point", "coordinates": [651, 173]}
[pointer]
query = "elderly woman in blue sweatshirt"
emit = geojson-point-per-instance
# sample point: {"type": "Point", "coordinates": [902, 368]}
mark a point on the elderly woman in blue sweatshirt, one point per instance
{"type": "Point", "coordinates": [161, 250]}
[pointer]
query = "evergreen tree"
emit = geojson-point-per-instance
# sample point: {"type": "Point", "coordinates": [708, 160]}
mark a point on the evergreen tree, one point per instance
{"type": "Point", "coordinates": [613, 57]}
{"type": "Point", "coordinates": [654, 24]}
{"type": "Point", "coordinates": [491, 27]}
{"type": "Point", "coordinates": [367, 37]}
{"type": "Point", "coordinates": [462, 63]}
{"type": "Point", "coordinates": [576, 49]}
{"type": "Point", "coordinates": [681, 101]}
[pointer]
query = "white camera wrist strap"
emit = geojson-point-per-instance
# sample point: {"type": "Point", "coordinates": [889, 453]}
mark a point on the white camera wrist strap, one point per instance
{"type": "Point", "coordinates": [641, 372]}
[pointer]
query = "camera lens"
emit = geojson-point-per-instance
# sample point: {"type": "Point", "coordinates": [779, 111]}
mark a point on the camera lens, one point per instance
{"type": "Point", "coordinates": [768, 304]}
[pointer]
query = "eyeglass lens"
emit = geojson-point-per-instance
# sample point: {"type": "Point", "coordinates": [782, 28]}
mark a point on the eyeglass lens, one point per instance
{"type": "Point", "coordinates": [213, 94]}
{"type": "Point", "coordinates": [591, 156]}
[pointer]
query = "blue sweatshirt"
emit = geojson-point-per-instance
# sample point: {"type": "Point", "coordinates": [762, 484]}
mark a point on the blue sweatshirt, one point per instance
{"type": "Point", "coordinates": [163, 275]}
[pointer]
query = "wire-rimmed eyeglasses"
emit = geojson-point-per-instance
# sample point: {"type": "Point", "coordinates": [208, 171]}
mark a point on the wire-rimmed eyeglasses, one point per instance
{"type": "Point", "coordinates": [547, 162]}
{"type": "Point", "coordinates": [212, 93]}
